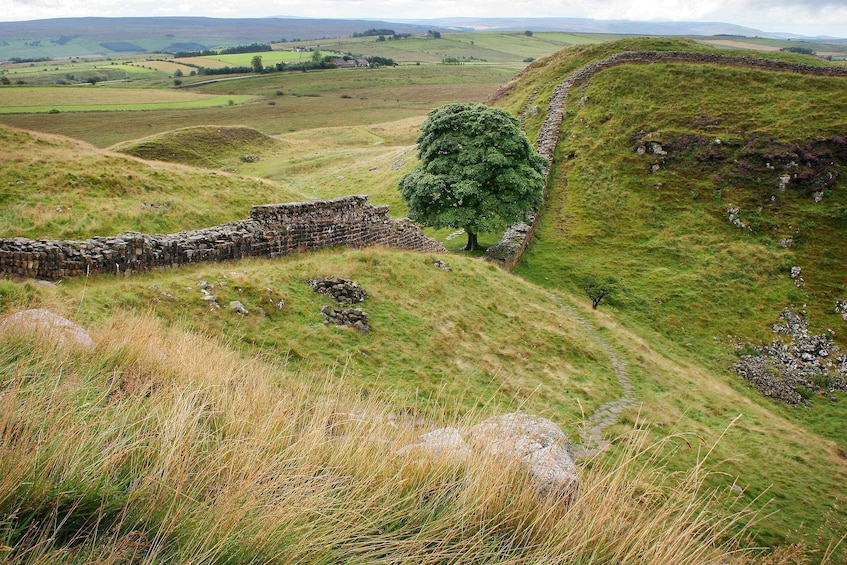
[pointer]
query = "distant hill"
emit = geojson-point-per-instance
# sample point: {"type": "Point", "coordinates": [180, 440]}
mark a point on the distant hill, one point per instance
{"type": "Point", "coordinates": [82, 36]}
{"type": "Point", "coordinates": [586, 25]}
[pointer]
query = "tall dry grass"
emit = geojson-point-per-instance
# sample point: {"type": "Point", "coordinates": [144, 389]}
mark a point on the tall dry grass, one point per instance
{"type": "Point", "coordinates": [165, 447]}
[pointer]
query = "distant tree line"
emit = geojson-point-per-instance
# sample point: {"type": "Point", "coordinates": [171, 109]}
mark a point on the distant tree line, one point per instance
{"type": "Point", "coordinates": [32, 60]}
{"type": "Point", "coordinates": [374, 33]}
{"type": "Point", "coordinates": [252, 48]}
{"type": "Point", "coordinates": [800, 50]}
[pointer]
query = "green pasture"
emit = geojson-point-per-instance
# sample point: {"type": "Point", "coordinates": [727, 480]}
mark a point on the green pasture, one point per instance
{"type": "Point", "coordinates": [268, 58]}
{"type": "Point", "coordinates": [35, 100]}
{"type": "Point", "coordinates": [285, 102]}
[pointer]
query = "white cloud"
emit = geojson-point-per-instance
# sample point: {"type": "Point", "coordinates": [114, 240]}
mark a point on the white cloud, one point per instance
{"type": "Point", "coordinates": [800, 16]}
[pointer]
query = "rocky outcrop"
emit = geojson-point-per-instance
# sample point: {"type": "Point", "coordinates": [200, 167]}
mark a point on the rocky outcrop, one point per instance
{"type": "Point", "coordinates": [533, 441]}
{"type": "Point", "coordinates": [271, 231]}
{"type": "Point", "coordinates": [794, 370]}
{"type": "Point", "coordinates": [45, 324]}
{"type": "Point", "coordinates": [548, 138]}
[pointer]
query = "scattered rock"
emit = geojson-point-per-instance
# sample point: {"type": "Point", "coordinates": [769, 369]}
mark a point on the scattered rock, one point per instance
{"type": "Point", "coordinates": [442, 265]}
{"type": "Point", "coordinates": [785, 242]}
{"type": "Point", "coordinates": [841, 308]}
{"type": "Point", "coordinates": [45, 323]}
{"type": "Point", "coordinates": [732, 214]}
{"type": "Point", "coordinates": [532, 440]}
{"type": "Point", "coordinates": [237, 307]}
{"type": "Point", "coordinates": [249, 158]}
{"type": "Point", "coordinates": [797, 276]}
{"type": "Point", "coordinates": [793, 371]}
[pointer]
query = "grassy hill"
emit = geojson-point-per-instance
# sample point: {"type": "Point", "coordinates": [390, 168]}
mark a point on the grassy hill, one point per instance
{"type": "Point", "coordinates": [212, 405]}
{"type": "Point", "coordinates": [211, 147]}
{"type": "Point", "coordinates": [693, 282]}
{"type": "Point", "coordinates": [59, 188]}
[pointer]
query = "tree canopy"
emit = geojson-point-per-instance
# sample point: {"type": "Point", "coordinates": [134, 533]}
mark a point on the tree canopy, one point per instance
{"type": "Point", "coordinates": [478, 171]}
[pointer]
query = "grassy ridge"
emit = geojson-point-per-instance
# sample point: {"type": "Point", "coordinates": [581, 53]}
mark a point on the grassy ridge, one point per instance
{"type": "Point", "coordinates": [693, 283]}
{"type": "Point", "coordinates": [58, 188]}
{"type": "Point", "coordinates": [443, 339]}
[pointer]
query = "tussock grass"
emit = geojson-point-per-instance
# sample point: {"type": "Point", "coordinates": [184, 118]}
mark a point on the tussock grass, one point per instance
{"type": "Point", "coordinates": [162, 446]}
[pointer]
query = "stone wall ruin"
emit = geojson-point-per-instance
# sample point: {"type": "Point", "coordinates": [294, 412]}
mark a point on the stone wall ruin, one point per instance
{"type": "Point", "coordinates": [270, 231]}
{"type": "Point", "coordinates": [507, 252]}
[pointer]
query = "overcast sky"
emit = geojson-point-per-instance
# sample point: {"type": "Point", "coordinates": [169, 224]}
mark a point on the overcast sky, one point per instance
{"type": "Point", "coordinates": [807, 17]}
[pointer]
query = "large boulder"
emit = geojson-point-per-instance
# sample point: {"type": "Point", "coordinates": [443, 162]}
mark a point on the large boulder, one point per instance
{"type": "Point", "coordinates": [532, 440]}
{"type": "Point", "coordinates": [48, 325]}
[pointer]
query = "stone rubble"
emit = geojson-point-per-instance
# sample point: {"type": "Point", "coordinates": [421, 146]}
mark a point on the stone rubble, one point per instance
{"type": "Point", "coordinates": [341, 290]}
{"type": "Point", "coordinates": [794, 370]}
{"type": "Point", "coordinates": [355, 318]}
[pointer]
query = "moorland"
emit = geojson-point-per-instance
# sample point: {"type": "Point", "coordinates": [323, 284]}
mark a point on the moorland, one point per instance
{"type": "Point", "coordinates": [189, 433]}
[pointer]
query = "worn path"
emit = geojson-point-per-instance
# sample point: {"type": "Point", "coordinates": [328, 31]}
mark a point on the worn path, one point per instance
{"type": "Point", "coordinates": [591, 430]}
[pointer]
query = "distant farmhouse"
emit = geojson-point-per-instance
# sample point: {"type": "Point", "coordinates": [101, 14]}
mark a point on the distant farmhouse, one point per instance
{"type": "Point", "coordinates": [348, 63]}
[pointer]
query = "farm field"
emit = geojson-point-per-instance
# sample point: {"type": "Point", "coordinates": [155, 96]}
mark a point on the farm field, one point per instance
{"type": "Point", "coordinates": [103, 99]}
{"type": "Point", "coordinates": [284, 102]}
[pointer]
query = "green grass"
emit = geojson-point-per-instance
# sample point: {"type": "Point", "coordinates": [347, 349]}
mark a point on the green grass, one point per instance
{"type": "Point", "coordinates": [161, 445]}
{"type": "Point", "coordinates": [210, 146]}
{"type": "Point", "coordinates": [268, 58]}
{"type": "Point", "coordinates": [61, 189]}
{"type": "Point", "coordinates": [446, 344]}
{"type": "Point", "coordinates": [493, 47]}
{"type": "Point", "coordinates": [29, 100]}
{"type": "Point", "coordinates": [437, 339]}
{"type": "Point", "coordinates": [694, 284]}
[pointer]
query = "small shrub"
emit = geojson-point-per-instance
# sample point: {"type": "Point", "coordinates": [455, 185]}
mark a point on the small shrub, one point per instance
{"type": "Point", "coordinates": [346, 96]}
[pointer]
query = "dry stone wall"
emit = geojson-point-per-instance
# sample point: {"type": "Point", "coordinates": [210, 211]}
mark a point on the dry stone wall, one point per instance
{"type": "Point", "coordinates": [507, 252]}
{"type": "Point", "coordinates": [271, 231]}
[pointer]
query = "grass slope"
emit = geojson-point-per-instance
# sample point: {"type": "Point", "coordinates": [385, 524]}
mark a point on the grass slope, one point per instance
{"type": "Point", "coordinates": [694, 284]}
{"type": "Point", "coordinates": [210, 147]}
{"type": "Point", "coordinates": [55, 187]}
{"type": "Point", "coordinates": [162, 446]}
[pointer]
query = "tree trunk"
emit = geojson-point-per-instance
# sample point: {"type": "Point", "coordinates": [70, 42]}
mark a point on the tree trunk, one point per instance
{"type": "Point", "coordinates": [473, 244]}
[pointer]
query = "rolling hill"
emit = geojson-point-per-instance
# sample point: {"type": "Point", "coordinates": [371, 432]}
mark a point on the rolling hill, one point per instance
{"type": "Point", "coordinates": [192, 433]}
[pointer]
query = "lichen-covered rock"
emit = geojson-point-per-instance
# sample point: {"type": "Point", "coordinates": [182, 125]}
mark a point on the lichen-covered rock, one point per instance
{"type": "Point", "coordinates": [46, 324]}
{"type": "Point", "coordinates": [531, 440]}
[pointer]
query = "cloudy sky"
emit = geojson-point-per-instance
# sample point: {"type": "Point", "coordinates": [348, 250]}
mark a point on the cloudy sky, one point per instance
{"type": "Point", "coordinates": [807, 17]}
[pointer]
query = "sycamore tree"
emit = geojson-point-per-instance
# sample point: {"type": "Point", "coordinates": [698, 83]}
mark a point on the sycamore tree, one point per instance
{"type": "Point", "coordinates": [478, 171]}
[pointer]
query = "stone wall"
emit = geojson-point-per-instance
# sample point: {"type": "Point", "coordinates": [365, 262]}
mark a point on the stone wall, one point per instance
{"type": "Point", "coordinates": [271, 231]}
{"type": "Point", "coordinates": [507, 252]}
